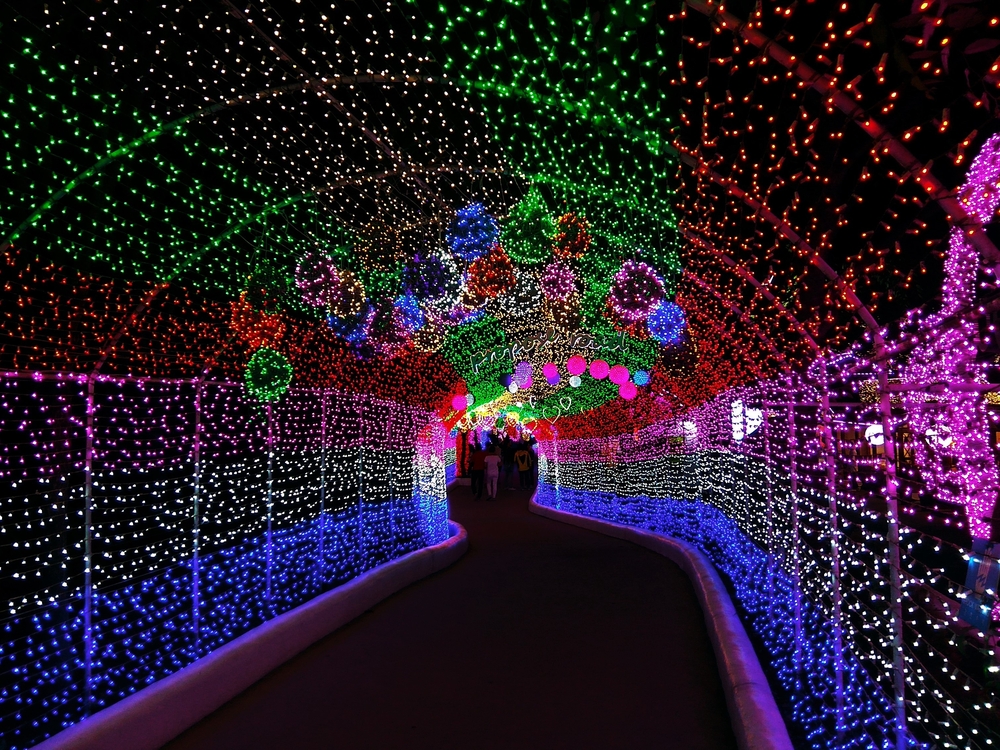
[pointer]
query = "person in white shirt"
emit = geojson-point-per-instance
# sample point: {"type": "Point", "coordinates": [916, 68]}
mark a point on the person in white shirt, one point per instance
{"type": "Point", "coordinates": [492, 462]}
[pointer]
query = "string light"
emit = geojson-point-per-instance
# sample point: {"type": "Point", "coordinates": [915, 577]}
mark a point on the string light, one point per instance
{"type": "Point", "coordinates": [666, 323]}
{"type": "Point", "coordinates": [259, 261]}
{"type": "Point", "coordinates": [529, 231]}
{"type": "Point", "coordinates": [472, 233]}
{"type": "Point", "coordinates": [635, 292]}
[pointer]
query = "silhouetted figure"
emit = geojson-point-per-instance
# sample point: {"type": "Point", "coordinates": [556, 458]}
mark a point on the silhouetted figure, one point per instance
{"type": "Point", "coordinates": [507, 451]}
{"type": "Point", "coordinates": [477, 472]}
{"type": "Point", "coordinates": [523, 459]}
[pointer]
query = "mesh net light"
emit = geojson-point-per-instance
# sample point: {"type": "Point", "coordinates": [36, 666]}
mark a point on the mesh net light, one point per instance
{"type": "Point", "coordinates": [762, 235]}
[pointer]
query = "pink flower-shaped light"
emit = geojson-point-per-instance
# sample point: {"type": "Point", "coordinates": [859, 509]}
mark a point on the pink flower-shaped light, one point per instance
{"type": "Point", "coordinates": [635, 292]}
{"type": "Point", "coordinates": [558, 281]}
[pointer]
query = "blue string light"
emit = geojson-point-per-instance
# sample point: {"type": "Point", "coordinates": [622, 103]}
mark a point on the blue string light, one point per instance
{"type": "Point", "coordinates": [354, 328]}
{"type": "Point", "coordinates": [280, 520]}
{"type": "Point", "coordinates": [666, 324]}
{"type": "Point", "coordinates": [408, 312]}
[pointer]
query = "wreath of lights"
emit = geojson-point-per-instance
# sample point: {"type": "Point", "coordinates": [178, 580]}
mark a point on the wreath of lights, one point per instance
{"type": "Point", "coordinates": [572, 238]}
{"type": "Point", "coordinates": [472, 233]}
{"type": "Point", "coordinates": [490, 275]}
{"type": "Point", "coordinates": [268, 375]}
{"type": "Point", "coordinates": [636, 291]}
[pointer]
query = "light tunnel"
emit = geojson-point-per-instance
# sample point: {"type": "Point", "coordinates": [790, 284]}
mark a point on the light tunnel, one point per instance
{"type": "Point", "coordinates": [279, 278]}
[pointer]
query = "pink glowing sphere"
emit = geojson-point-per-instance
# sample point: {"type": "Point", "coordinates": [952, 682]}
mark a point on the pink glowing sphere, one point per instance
{"type": "Point", "coordinates": [627, 390]}
{"type": "Point", "coordinates": [599, 369]}
{"type": "Point", "coordinates": [459, 402]}
{"type": "Point", "coordinates": [550, 371]}
{"type": "Point", "coordinates": [577, 365]}
{"type": "Point", "coordinates": [619, 375]}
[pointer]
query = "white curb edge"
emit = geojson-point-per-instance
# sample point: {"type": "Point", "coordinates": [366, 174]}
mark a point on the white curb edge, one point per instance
{"type": "Point", "coordinates": [756, 720]}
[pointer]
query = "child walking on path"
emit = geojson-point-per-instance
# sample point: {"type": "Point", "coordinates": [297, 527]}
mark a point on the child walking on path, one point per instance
{"type": "Point", "coordinates": [492, 461]}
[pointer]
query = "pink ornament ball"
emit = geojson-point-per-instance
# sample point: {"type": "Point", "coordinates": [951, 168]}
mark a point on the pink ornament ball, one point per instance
{"type": "Point", "coordinates": [627, 390]}
{"type": "Point", "coordinates": [550, 371]}
{"type": "Point", "coordinates": [577, 365]}
{"type": "Point", "coordinates": [599, 369]}
{"type": "Point", "coordinates": [619, 375]}
{"type": "Point", "coordinates": [459, 402]}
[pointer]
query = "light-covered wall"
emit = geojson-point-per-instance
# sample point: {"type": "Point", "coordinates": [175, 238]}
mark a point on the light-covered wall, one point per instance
{"type": "Point", "coordinates": [206, 513]}
{"type": "Point", "coordinates": [784, 486]}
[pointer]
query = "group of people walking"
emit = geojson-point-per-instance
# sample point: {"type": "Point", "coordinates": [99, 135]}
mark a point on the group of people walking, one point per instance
{"type": "Point", "coordinates": [508, 456]}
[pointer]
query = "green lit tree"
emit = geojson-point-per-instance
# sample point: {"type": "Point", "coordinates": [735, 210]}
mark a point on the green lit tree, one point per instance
{"type": "Point", "coordinates": [529, 230]}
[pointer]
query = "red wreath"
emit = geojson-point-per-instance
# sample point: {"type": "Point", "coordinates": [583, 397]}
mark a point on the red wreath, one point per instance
{"type": "Point", "coordinates": [491, 275]}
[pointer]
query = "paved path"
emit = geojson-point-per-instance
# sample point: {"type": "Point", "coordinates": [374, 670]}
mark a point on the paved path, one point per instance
{"type": "Point", "coordinates": [543, 636]}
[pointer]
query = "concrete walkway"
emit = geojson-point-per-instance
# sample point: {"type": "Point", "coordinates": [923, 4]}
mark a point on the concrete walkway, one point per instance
{"type": "Point", "coordinates": [542, 636]}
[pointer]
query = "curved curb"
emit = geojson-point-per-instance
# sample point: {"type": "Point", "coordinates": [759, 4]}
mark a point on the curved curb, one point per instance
{"type": "Point", "coordinates": [756, 720]}
{"type": "Point", "coordinates": [156, 714]}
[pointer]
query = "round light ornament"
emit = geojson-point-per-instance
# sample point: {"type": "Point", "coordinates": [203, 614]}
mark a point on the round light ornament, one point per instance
{"type": "Point", "coordinates": [618, 374]}
{"type": "Point", "coordinates": [599, 369]}
{"type": "Point", "coordinates": [576, 365]}
{"type": "Point", "coordinates": [268, 374]}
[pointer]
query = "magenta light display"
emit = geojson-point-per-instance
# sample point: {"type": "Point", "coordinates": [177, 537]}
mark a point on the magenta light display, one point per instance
{"type": "Point", "coordinates": [618, 374]}
{"type": "Point", "coordinates": [558, 281]}
{"type": "Point", "coordinates": [945, 409]}
{"type": "Point", "coordinates": [599, 369]}
{"type": "Point", "coordinates": [551, 373]}
{"type": "Point", "coordinates": [576, 365]}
